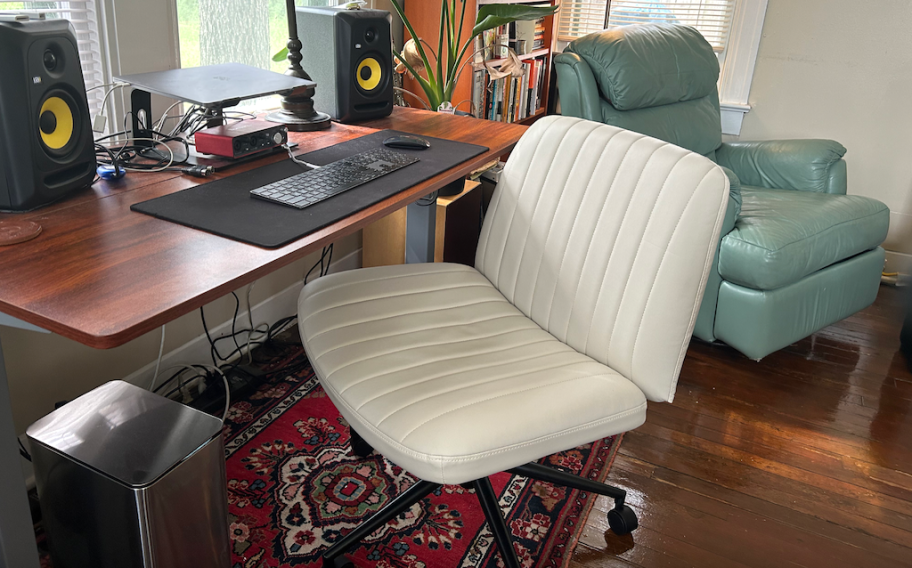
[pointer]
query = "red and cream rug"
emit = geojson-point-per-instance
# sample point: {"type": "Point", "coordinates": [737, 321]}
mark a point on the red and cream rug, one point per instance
{"type": "Point", "coordinates": [294, 488]}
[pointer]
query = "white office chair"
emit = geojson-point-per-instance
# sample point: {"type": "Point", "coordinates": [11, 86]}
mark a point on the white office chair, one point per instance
{"type": "Point", "coordinates": [592, 260]}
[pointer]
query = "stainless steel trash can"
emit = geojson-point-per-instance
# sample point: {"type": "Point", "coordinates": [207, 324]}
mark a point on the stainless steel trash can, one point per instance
{"type": "Point", "coordinates": [127, 478]}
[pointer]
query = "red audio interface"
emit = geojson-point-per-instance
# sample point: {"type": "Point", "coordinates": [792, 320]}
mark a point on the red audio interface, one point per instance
{"type": "Point", "coordinates": [240, 139]}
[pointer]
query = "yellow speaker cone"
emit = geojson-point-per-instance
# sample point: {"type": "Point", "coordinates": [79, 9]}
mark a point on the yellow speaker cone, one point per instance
{"type": "Point", "coordinates": [58, 134]}
{"type": "Point", "coordinates": [369, 74]}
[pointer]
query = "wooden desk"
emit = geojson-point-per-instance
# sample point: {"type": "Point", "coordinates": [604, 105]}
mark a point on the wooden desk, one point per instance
{"type": "Point", "coordinates": [102, 275]}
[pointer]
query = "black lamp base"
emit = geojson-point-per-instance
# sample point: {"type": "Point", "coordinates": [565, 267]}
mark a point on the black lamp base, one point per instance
{"type": "Point", "coordinates": [295, 123]}
{"type": "Point", "coordinates": [298, 113]}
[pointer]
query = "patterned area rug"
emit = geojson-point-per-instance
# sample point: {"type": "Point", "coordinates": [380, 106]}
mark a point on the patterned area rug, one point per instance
{"type": "Point", "coordinates": [294, 487]}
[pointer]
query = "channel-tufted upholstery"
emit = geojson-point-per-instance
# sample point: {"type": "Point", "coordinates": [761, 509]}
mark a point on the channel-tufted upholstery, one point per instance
{"type": "Point", "coordinates": [593, 256]}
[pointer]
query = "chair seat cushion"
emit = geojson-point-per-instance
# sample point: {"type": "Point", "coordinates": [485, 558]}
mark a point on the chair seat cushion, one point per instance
{"type": "Point", "coordinates": [441, 374]}
{"type": "Point", "coordinates": [782, 236]}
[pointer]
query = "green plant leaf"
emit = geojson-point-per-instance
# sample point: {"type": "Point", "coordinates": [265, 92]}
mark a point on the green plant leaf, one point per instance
{"type": "Point", "coordinates": [491, 16]}
{"type": "Point", "coordinates": [281, 56]}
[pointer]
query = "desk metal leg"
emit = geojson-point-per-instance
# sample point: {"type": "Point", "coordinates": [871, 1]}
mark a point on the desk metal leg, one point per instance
{"type": "Point", "coordinates": [419, 233]}
{"type": "Point", "coordinates": [17, 538]}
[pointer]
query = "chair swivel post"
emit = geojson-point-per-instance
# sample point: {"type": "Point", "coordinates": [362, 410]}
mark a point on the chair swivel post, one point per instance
{"type": "Point", "coordinates": [409, 497]}
{"type": "Point", "coordinates": [358, 444]}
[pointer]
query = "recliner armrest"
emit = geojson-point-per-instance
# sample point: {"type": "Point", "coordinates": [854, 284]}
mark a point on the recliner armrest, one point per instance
{"type": "Point", "coordinates": [579, 94]}
{"type": "Point", "coordinates": [803, 165]}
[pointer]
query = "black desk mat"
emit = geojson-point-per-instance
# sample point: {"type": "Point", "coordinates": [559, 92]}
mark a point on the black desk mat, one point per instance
{"type": "Point", "coordinates": [226, 208]}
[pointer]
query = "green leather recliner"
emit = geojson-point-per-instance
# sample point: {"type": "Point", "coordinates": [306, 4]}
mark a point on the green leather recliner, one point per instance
{"type": "Point", "coordinates": [796, 253]}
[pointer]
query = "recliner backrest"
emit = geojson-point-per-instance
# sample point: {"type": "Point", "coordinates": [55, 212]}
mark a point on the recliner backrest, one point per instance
{"type": "Point", "coordinates": [657, 79]}
{"type": "Point", "coordinates": [604, 237]}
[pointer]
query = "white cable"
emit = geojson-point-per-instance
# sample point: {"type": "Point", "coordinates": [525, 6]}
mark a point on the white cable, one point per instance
{"type": "Point", "coordinates": [161, 121]}
{"type": "Point", "coordinates": [116, 86]}
{"type": "Point", "coordinates": [106, 85]}
{"type": "Point", "coordinates": [161, 350]}
{"type": "Point", "coordinates": [253, 329]}
{"type": "Point", "coordinates": [104, 101]}
{"type": "Point", "coordinates": [298, 160]}
{"type": "Point", "coordinates": [227, 395]}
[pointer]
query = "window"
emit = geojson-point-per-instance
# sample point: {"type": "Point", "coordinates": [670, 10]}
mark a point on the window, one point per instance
{"type": "Point", "coordinates": [581, 17]}
{"type": "Point", "coordinates": [83, 15]}
{"type": "Point", "coordinates": [712, 17]}
{"type": "Point", "coordinates": [236, 31]}
{"type": "Point", "coordinates": [239, 31]}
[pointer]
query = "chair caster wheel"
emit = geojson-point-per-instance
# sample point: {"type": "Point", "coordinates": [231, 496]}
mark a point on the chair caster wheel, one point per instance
{"type": "Point", "coordinates": [359, 446]}
{"type": "Point", "coordinates": [622, 521]}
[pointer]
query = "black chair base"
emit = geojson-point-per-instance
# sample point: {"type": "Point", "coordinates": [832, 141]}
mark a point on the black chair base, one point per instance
{"type": "Point", "coordinates": [621, 519]}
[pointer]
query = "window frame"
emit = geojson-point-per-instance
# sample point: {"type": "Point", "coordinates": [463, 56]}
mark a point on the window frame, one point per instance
{"type": "Point", "coordinates": [740, 60]}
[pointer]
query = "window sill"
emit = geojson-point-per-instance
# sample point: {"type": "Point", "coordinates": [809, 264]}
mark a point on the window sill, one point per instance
{"type": "Point", "coordinates": [732, 115]}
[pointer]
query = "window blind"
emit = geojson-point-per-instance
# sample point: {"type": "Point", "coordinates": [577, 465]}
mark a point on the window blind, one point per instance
{"type": "Point", "coordinates": [711, 17]}
{"type": "Point", "coordinates": [83, 15]}
{"type": "Point", "coordinates": [580, 17]}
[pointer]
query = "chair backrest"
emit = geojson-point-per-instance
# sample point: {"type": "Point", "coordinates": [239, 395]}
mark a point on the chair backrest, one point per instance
{"type": "Point", "coordinates": [659, 80]}
{"type": "Point", "coordinates": [604, 238]}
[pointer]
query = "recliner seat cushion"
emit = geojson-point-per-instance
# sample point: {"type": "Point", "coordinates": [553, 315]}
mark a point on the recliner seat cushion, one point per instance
{"type": "Point", "coordinates": [446, 378]}
{"type": "Point", "coordinates": [782, 235]}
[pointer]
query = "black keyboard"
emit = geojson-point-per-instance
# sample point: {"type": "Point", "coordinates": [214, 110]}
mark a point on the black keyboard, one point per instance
{"type": "Point", "coordinates": [313, 186]}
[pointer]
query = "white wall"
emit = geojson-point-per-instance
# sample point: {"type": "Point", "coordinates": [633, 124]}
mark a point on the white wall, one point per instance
{"type": "Point", "coordinates": [842, 69]}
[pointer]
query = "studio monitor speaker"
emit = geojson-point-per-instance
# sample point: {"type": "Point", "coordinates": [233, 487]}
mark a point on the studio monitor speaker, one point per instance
{"type": "Point", "coordinates": [349, 55]}
{"type": "Point", "coordinates": [46, 145]}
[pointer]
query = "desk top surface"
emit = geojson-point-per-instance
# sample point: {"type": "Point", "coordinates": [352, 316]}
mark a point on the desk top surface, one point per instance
{"type": "Point", "coordinates": [102, 275]}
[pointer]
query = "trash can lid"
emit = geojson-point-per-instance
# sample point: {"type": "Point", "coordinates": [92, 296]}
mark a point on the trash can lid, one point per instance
{"type": "Point", "coordinates": [125, 432]}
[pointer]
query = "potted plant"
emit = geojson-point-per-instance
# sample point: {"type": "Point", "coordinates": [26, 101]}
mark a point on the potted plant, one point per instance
{"type": "Point", "coordinates": [443, 71]}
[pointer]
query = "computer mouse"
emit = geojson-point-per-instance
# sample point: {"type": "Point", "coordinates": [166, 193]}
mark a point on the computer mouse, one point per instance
{"type": "Point", "coordinates": [407, 142]}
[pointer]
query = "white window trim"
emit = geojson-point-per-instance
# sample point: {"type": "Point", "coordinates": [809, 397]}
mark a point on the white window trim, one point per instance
{"type": "Point", "coordinates": [121, 21]}
{"type": "Point", "coordinates": [740, 59]}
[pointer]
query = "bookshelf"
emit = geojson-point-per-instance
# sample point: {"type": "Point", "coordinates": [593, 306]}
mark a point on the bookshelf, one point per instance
{"type": "Point", "coordinates": [472, 85]}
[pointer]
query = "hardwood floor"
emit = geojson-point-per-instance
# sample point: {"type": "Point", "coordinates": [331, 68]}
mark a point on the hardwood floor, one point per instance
{"type": "Point", "coordinates": [802, 459]}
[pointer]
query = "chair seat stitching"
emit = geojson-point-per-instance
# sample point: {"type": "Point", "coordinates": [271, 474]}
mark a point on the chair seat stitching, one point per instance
{"type": "Point", "coordinates": [346, 283]}
{"type": "Point", "coordinates": [400, 333]}
{"type": "Point", "coordinates": [438, 361]}
{"type": "Point", "coordinates": [489, 399]}
{"type": "Point", "coordinates": [489, 381]}
{"type": "Point", "coordinates": [401, 295]}
{"type": "Point", "coordinates": [420, 346]}
{"type": "Point", "coordinates": [413, 313]}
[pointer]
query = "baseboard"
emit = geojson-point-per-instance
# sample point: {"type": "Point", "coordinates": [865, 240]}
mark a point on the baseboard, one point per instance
{"type": "Point", "coordinates": [270, 310]}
